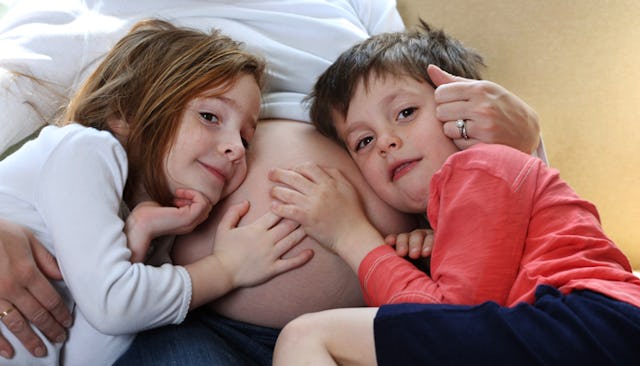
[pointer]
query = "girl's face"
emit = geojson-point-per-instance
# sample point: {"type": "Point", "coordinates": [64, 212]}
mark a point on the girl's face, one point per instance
{"type": "Point", "coordinates": [392, 133]}
{"type": "Point", "coordinates": [209, 150]}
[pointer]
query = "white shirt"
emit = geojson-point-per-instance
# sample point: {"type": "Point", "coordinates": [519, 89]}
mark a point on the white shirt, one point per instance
{"type": "Point", "coordinates": [61, 41]}
{"type": "Point", "coordinates": [66, 186]}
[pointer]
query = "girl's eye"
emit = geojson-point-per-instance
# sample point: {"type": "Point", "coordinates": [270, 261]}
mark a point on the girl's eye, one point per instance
{"type": "Point", "coordinates": [245, 142]}
{"type": "Point", "coordinates": [209, 117]}
{"type": "Point", "coordinates": [407, 112]}
{"type": "Point", "coordinates": [361, 144]}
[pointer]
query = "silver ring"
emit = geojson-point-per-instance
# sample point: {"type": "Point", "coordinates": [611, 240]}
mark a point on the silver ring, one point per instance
{"type": "Point", "coordinates": [462, 127]}
{"type": "Point", "coordinates": [6, 312]}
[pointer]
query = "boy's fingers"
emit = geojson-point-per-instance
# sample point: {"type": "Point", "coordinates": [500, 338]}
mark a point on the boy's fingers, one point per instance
{"type": "Point", "coordinates": [287, 195]}
{"type": "Point", "coordinates": [298, 180]}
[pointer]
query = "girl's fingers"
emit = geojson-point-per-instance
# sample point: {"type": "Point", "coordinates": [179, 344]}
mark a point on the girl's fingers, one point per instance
{"type": "Point", "coordinates": [283, 228]}
{"type": "Point", "coordinates": [267, 221]}
{"type": "Point", "coordinates": [232, 217]}
{"type": "Point", "coordinates": [286, 264]}
{"type": "Point", "coordinates": [289, 241]}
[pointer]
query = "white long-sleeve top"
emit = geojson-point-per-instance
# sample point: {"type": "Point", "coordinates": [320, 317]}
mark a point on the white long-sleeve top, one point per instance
{"type": "Point", "coordinates": [66, 186]}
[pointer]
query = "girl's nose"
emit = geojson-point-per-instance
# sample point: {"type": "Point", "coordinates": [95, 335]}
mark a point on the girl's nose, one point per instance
{"type": "Point", "coordinates": [233, 150]}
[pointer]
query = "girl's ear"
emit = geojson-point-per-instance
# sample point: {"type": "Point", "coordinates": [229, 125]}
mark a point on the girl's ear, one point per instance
{"type": "Point", "coordinates": [120, 128]}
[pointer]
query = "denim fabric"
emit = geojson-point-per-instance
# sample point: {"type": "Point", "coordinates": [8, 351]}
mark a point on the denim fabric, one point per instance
{"type": "Point", "coordinates": [203, 338]}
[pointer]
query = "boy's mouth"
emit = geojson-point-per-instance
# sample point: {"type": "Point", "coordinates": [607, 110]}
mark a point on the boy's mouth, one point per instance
{"type": "Point", "coordinates": [401, 168]}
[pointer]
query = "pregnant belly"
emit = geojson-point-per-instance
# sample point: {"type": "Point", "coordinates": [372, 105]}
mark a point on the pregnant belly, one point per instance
{"type": "Point", "coordinates": [323, 283]}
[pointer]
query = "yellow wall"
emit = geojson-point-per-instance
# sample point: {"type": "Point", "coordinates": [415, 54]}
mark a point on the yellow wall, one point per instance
{"type": "Point", "coordinates": [577, 62]}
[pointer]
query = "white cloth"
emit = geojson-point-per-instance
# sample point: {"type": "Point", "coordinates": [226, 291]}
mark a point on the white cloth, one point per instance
{"type": "Point", "coordinates": [60, 42]}
{"type": "Point", "coordinates": [66, 186]}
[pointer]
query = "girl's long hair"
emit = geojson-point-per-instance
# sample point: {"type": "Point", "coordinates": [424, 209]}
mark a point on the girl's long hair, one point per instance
{"type": "Point", "coordinates": [146, 80]}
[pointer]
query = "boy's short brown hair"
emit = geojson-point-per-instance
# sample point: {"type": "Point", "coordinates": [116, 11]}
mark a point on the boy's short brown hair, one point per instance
{"type": "Point", "coordinates": [396, 54]}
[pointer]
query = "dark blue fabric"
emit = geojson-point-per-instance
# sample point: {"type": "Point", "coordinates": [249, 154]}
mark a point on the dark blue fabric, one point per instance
{"type": "Point", "coordinates": [582, 328]}
{"type": "Point", "coordinates": [203, 338]}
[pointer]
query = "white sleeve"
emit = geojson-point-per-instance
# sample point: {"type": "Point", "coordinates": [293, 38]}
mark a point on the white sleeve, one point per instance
{"type": "Point", "coordinates": [79, 203]}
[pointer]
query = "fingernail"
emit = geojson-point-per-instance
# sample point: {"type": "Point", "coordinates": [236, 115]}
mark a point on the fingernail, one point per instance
{"type": "Point", "coordinates": [40, 352]}
{"type": "Point", "coordinates": [4, 354]}
{"type": "Point", "coordinates": [67, 323]}
{"type": "Point", "coordinates": [61, 338]}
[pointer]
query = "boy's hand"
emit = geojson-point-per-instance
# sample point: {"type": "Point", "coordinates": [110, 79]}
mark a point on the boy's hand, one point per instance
{"type": "Point", "coordinates": [323, 201]}
{"type": "Point", "coordinates": [149, 220]}
{"type": "Point", "coordinates": [492, 114]}
{"type": "Point", "coordinates": [252, 254]}
{"type": "Point", "coordinates": [415, 244]}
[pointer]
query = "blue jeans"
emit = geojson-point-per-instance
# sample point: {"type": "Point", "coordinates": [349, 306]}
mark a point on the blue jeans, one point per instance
{"type": "Point", "coordinates": [204, 338]}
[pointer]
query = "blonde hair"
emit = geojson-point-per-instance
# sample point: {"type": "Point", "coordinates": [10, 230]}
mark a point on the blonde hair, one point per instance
{"type": "Point", "coordinates": [147, 79]}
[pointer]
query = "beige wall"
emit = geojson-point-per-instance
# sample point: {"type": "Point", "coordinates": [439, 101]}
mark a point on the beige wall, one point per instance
{"type": "Point", "coordinates": [577, 62]}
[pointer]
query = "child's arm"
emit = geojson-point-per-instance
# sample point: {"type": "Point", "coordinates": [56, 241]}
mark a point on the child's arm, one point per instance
{"type": "Point", "coordinates": [327, 206]}
{"type": "Point", "coordinates": [415, 244]}
{"type": "Point", "coordinates": [149, 220]}
{"type": "Point", "coordinates": [245, 256]}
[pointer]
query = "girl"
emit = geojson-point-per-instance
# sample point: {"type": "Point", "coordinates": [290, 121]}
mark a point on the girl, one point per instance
{"type": "Point", "coordinates": [165, 119]}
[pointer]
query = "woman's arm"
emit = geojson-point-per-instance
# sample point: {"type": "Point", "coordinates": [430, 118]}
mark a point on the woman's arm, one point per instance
{"type": "Point", "coordinates": [24, 266]}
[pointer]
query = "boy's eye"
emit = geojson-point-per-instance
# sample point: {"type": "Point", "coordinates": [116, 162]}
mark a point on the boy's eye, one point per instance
{"type": "Point", "coordinates": [209, 117]}
{"type": "Point", "coordinates": [245, 142]}
{"type": "Point", "coordinates": [363, 143]}
{"type": "Point", "coordinates": [407, 112]}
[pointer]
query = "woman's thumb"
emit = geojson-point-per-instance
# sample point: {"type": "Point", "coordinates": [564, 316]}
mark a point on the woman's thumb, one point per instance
{"type": "Point", "coordinates": [440, 77]}
{"type": "Point", "coordinates": [45, 261]}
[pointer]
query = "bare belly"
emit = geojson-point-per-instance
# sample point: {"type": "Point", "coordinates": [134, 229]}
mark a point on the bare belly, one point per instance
{"type": "Point", "coordinates": [323, 283]}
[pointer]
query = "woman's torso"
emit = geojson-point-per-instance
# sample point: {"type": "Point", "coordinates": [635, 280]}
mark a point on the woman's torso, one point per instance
{"type": "Point", "coordinates": [326, 281]}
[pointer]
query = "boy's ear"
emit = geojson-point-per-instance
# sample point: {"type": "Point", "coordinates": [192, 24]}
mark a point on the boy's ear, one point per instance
{"type": "Point", "coordinates": [120, 128]}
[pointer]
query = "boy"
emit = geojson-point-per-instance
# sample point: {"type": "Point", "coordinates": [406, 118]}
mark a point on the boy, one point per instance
{"type": "Point", "coordinates": [521, 271]}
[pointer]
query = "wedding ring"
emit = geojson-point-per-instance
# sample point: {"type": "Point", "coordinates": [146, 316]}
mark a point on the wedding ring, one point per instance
{"type": "Point", "coordinates": [462, 127]}
{"type": "Point", "coordinates": [6, 312]}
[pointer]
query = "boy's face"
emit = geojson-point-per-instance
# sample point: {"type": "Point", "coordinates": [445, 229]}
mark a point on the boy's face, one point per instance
{"type": "Point", "coordinates": [395, 139]}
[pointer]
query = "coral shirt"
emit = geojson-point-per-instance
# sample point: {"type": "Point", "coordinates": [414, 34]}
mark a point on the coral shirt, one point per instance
{"type": "Point", "coordinates": [504, 223]}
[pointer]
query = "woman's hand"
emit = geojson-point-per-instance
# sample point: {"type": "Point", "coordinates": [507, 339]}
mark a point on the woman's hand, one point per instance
{"type": "Point", "coordinates": [415, 244]}
{"type": "Point", "coordinates": [492, 114]}
{"type": "Point", "coordinates": [25, 292]}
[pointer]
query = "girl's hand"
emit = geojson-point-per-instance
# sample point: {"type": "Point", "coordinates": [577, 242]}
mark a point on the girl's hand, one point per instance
{"type": "Point", "coordinates": [323, 201]}
{"type": "Point", "coordinates": [253, 254]}
{"type": "Point", "coordinates": [149, 220]}
{"type": "Point", "coordinates": [415, 244]}
{"type": "Point", "coordinates": [493, 114]}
